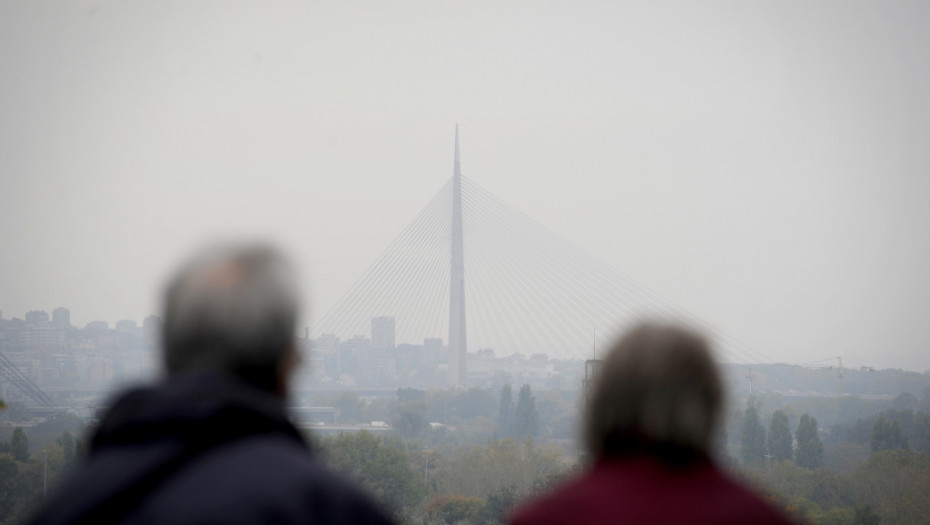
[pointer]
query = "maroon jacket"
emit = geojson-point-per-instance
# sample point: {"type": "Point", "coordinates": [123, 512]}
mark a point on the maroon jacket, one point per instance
{"type": "Point", "coordinates": [641, 489]}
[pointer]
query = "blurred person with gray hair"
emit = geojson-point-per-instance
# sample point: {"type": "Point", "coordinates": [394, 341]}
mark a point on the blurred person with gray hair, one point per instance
{"type": "Point", "coordinates": [211, 442]}
{"type": "Point", "coordinates": [648, 430]}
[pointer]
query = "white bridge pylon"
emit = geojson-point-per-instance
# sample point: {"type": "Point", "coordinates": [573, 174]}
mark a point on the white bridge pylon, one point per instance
{"type": "Point", "coordinates": [527, 290]}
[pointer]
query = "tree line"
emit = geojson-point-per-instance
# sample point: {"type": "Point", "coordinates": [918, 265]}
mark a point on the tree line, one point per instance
{"type": "Point", "coordinates": [758, 445]}
{"type": "Point", "coordinates": [496, 448]}
{"type": "Point", "coordinates": [27, 470]}
{"type": "Point", "coordinates": [875, 470]}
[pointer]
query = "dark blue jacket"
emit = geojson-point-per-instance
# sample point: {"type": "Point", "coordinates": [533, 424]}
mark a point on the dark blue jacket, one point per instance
{"type": "Point", "coordinates": [203, 448]}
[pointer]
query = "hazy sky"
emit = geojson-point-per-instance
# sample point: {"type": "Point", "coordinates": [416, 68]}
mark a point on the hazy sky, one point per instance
{"type": "Point", "coordinates": [766, 166]}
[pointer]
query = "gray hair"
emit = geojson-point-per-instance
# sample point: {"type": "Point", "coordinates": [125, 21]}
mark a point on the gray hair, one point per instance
{"type": "Point", "coordinates": [231, 308]}
{"type": "Point", "coordinates": [660, 389]}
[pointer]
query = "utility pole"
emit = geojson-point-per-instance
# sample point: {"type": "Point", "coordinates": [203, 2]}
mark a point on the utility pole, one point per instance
{"type": "Point", "coordinates": [45, 474]}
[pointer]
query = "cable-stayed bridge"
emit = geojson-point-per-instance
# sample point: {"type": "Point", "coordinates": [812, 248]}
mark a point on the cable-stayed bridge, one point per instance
{"type": "Point", "coordinates": [468, 255]}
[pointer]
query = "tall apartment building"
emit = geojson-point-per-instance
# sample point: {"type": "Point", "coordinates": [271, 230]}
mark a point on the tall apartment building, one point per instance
{"type": "Point", "coordinates": [382, 333]}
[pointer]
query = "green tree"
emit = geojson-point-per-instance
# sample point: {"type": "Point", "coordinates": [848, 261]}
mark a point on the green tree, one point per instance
{"type": "Point", "coordinates": [66, 442]}
{"type": "Point", "coordinates": [349, 407]}
{"type": "Point", "coordinates": [406, 395]}
{"type": "Point", "coordinates": [905, 401]}
{"type": "Point", "coordinates": [845, 457]}
{"type": "Point", "coordinates": [866, 516]}
{"type": "Point", "coordinates": [505, 413]}
{"type": "Point", "coordinates": [525, 417]}
{"type": "Point", "coordinates": [19, 445]}
{"type": "Point", "coordinates": [887, 435]}
{"type": "Point", "coordinates": [895, 483]}
{"type": "Point", "coordinates": [20, 489]}
{"type": "Point", "coordinates": [482, 470]}
{"type": "Point", "coordinates": [378, 463]}
{"type": "Point", "coordinates": [9, 479]}
{"type": "Point", "coordinates": [752, 437]}
{"type": "Point", "coordinates": [473, 403]}
{"type": "Point", "coordinates": [499, 504]}
{"type": "Point", "coordinates": [922, 433]}
{"type": "Point", "coordinates": [925, 399]}
{"type": "Point", "coordinates": [454, 509]}
{"type": "Point", "coordinates": [780, 437]}
{"type": "Point", "coordinates": [558, 413]}
{"type": "Point", "coordinates": [810, 448]}
{"type": "Point", "coordinates": [410, 419]}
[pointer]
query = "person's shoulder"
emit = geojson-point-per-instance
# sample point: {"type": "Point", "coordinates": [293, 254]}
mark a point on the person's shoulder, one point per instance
{"type": "Point", "coordinates": [560, 505]}
{"type": "Point", "coordinates": [264, 479]}
{"type": "Point", "coordinates": [738, 499]}
{"type": "Point", "coordinates": [279, 462]}
{"type": "Point", "coordinates": [643, 491]}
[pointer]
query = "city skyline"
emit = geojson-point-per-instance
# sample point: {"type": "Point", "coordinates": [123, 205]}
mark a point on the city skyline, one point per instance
{"type": "Point", "coordinates": [761, 166]}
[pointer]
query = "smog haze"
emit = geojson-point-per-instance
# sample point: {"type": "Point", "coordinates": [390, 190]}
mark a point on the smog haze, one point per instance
{"type": "Point", "coordinates": [763, 166]}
